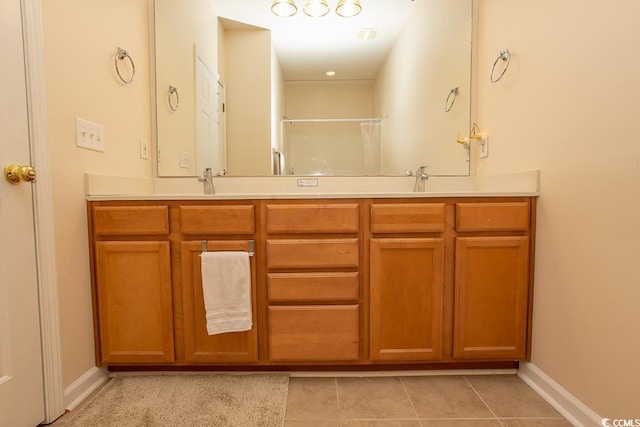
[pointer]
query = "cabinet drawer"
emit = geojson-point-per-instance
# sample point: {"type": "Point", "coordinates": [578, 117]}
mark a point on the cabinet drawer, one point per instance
{"type": "Point", "coordinates": [313, 218]}
{"type": "Point", "coordinates": [492, 216]}
{"type": "Point", "coordinates": [310, 253]}
{"type": "Point", "coordinates": [407, 218]}
{"type": "Point", "coordinates": [217, 219]}
{"type": "Point", "coordinates": [306, 287]}
{"type": "Point", "coordinates": [131, 220]}
{"type": "Point", "coordinates": [313, 333]}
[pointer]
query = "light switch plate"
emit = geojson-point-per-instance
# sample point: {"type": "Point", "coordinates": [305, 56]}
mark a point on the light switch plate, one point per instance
{"type": "Point", "coordinates": [89, 135]}
{"type": "Point", "coordinates": [144, 148]}
{"type": "Point", "coordinates": [185, 159]}
{"type": "Point", "coordinates": [484, 147]}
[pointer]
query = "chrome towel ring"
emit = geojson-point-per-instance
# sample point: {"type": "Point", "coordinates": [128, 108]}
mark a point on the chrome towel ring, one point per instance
{"type": "Point", "coordinates": [121, 56]}
{"type": "Point", "coordinates": [505, 56]}
{"type": "Point", "coordinates": [173, 91]}
{"type": "Point", "coordinates": [453, 94]}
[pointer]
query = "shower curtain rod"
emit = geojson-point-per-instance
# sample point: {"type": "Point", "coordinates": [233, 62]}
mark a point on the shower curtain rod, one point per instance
{"type": "Point", "coordinates": [331, 120]}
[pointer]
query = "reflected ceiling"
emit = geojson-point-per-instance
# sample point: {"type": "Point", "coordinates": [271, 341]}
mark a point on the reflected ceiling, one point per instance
{"type": "Point", "coordinates": [309, 47]}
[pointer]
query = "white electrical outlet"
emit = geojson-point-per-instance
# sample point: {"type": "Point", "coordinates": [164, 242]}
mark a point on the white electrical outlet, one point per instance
{"type": "Point", "coordinates": [484, 147]}
{"type": "Point", "coordinates": [144, 148]}
{"type": "Point", "coordinates": [185, 159]}
{"type": "Point", "coordinates": [89, 135]}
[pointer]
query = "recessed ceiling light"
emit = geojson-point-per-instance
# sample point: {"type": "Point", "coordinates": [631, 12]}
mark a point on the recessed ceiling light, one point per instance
{"type": "Point", "coordinates": [330, 73]}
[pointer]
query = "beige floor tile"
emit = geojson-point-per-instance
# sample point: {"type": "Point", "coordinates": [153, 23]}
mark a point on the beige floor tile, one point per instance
{"type": "Point", "coordinates": [373, 398]}
{"type": "Point", "coordinates": [381, 423]}
{"type": "Point", "coordinates": [510, 397]}
{"type": "Point", "coordinates": [445, 397]}
{"type": "Point", "coordinates": [460, 423]}
{"type": "Point", "coordinates": [535, 423]}
{"type": "Point", "coordinates": [312, 399]}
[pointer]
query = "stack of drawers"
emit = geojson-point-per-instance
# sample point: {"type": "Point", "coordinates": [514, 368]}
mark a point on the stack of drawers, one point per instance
{"type": "Point", "coordinates": [313, 281]}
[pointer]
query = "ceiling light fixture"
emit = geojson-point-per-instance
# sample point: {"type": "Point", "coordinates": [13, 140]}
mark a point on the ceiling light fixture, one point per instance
{"type": "Point", "coordinates": [316, 8]}
{"type": "Point", "coordinates": [284, 8]}
{"type": "Point", "coordinates": [348, 8]}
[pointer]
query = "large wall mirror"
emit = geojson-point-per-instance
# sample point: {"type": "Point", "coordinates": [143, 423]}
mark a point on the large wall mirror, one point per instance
{"type": "Point", "coordinates": [248, 93]}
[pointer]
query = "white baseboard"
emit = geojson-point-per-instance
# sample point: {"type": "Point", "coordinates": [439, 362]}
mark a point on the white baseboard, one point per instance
{"type": "Point", "coordinates": [83, 387]}
{"type": "Point", "coordinates": [401, 373]}
{"type": "Point", "coordinates": [576, 412]}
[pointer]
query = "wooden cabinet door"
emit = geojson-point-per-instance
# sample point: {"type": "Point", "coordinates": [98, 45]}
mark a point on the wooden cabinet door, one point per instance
{"type": "Point", "coordinates": [135, 315]}
{"type": "Point", "coordinates": [406, 298]}
{"type": "Point", "coordinates": [491, 291]}
{"type": "Point", "coordinates": [199, 346]}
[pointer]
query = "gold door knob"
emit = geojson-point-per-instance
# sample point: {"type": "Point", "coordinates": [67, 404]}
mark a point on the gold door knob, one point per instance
{"type": "Point", "coordinates": [16, 174]}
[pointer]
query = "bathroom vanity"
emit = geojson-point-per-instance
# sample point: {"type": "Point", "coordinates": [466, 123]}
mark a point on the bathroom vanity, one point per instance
{"type": "Point", "coordinates": [338, 282]}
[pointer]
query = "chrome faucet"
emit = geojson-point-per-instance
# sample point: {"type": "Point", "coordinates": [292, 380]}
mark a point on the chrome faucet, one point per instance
{"type": "Point", "coordinates": [421, 177]}
{"type": "Point", "coordinates": [207, 180]}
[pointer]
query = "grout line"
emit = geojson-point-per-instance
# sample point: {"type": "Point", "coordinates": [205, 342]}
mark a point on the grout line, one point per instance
{"type": "Point", "coordinates": [534, 418]}
{"type": "Point", "coordinates": [483, 401]}
{"type": "Point", "coordinates": [286, 402]}
{"type": "Point", "coordinates": [406, 392]}
{"type": "Point", "coordinates": [463, 418]}
{"type": "Point", "coordinates": [335, 381]}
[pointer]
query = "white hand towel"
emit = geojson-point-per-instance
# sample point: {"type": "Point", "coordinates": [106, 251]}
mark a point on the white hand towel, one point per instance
{"type": "Point", "coordinates": [226, 285]}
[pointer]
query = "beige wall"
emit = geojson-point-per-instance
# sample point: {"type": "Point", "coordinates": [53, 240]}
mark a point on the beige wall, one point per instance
{"type": "Point", "coordinates": [182, 30]}
{"type": "Point", "coordinates": [569, 105]}
{"type": "Point", "coordinates": [339, 99]}
{"type": "Point", "coordinates": [248, 88]}
{"type": "Point", "coordinates": [277, 101]}
{"type": "Point", "coordinates": [81, 40]}
{"type": "Point", "coordinates": [412, 90]}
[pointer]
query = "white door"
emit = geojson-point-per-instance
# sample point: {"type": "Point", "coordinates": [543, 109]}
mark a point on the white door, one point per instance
{"type": "Point", "coordinates": [210, 145]}
{"type": "Point", "coordinates": [221, 146]}
{"type": "Point", "coordinates": [21, 383]}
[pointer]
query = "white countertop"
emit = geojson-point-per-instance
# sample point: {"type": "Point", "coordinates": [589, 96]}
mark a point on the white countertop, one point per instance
{"type": "Point", "coordinates": [102, 187]}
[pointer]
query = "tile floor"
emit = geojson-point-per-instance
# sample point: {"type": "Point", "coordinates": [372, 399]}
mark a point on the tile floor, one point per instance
{"type": "Point", "coordinates": [425, 401]}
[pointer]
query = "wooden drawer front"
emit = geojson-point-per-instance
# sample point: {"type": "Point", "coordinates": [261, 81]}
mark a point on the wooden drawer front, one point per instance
{"type": "Point", "coordinates": [407, 218]}
{"type": "Point", "coordinates": [310, 253]}
{"type": "Point", "coordinates": [317, 287]}
{"type": "Point", "coordinates": [492, 216]}
{"type": "Point", "coordinates": [314, 218]}
{"type": "Point", "coordinates": [313, 333]}
{"type": "Point", "coordinates": [217, 219]}
{"type": "Point", "coordinates": [131, 220]}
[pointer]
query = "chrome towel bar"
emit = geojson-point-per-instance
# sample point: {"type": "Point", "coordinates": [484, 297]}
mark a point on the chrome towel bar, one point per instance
{"type": "Point", "coordinates": [252, 247]}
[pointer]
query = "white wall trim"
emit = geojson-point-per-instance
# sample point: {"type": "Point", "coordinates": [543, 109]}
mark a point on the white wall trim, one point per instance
{"type": "Point", "coordinates": [576, 412]}
{"type": "Point", "coordinates": [400, 373]}
{"type": "Point", "coordinates": [81, 388]}
{"type": "Point", "coordinates": [43, 209]}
